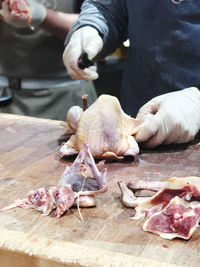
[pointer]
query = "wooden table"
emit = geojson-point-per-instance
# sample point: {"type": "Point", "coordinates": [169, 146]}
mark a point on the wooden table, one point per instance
{"type": "Point", "coordinates": [107, 236]}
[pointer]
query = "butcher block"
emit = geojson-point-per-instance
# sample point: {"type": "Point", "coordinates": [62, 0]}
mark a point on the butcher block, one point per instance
{"type": "Point", "coordinates": [107, 236]}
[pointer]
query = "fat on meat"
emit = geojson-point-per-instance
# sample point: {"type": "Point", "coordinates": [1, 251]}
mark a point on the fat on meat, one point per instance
{"type": "Point", "coordinates": [78, 186]}
{"type": "Point", "coordinates": [179, 219]}
{"type": "Point", "coordinates": [104, 126]}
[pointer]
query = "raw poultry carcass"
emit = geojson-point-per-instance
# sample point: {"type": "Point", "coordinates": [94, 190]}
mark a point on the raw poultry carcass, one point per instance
{"type": "Point", "coordinates": [104, 126]}
{"type": "Point", "coordinates": [77, 187]}
{"type": "Point", "coordinates": [17, 8]}
{"type": "Point", "coordinates": [174, 211]}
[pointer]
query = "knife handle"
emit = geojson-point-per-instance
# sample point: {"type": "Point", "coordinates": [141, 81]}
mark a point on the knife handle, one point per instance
{"type": "Point", "coordinates": [84, 62]}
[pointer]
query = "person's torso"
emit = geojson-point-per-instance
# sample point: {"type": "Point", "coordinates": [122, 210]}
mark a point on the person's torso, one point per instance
{"type": "Point", "coordinates": [165, 49]}
{"type": "Point", "coordinates": [33, 54]}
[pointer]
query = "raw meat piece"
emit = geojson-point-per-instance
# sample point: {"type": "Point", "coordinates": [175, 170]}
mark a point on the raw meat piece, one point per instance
{"type": "Point", "coordinates": [172, 212]}
{"type": "Point", "coordinates": [84, 176]}
{"type": "Point", "coordinates": [178, 219]}
{"type": "Point", "coordinates": [78, 186]}
{"type": "Point", "coordinates": [18, 8]}
{"type": "Point", "coordinates": [105, 127]}
{"type": "Point", "coordinates": [43, 200]}
{"type": "Point", "coordinates": [187, 188]}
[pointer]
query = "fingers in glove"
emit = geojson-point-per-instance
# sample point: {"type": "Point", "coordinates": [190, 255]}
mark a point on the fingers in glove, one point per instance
{"type": "Point", "coordinates": [148, 126]}
{"type": "Point", "coordinates": [178, 133]}
{"type": "Point", "coordinates": [171, 138]}
{"type": "Point", "coordinates": [71, 62]}
{"type": "Point", "coordinates": [147, 110]}
{"type": "Point", "coordinates": [93, 47]}
{"type": "Point", "coordinates": [91, 73]}
{"type": "Point", "coordinates": [155, 140]}
{"type": "Point", "coordinates": [85, 74]}
{"type": "Point", "coordinates": [167, 133]}
{"type": "Point", "coordinates": [184, 138]}
{"type": "Point", "coordinates": [146, 130]}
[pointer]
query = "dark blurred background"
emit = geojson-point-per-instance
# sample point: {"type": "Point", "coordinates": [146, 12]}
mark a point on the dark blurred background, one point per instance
{"type": "Point", "coordinates": [110, 73]}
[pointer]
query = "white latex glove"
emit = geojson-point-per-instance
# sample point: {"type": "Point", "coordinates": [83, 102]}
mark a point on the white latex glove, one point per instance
{"type": "Point", "coordinates": [85, 39]}
{"type": "Point", "coordinates": [23, 13]}
{"type": "Point", "coordinates": [169, 118]}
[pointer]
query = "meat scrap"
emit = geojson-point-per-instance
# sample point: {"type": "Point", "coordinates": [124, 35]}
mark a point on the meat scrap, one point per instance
{"type": "Point", "coordinates": [134, 193]}
{"type": "Point", "coordinates": [127, 196]}
{"type": "Point", "coordinates": [78, 186]}
{"type": "Point", "coordinates": [178, 219]}
{"type": "Point", "coordinates": [187, 188]}
{"type": "Point", "coordinates": [104, 127]}
{"type": "Point", "coordinates": [174, 211]}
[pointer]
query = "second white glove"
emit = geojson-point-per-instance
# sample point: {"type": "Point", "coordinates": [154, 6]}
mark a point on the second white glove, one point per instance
{"type": "Point", "coordinates": [169, 118]}
{"type": "Point", "coordinates": [85, 39]}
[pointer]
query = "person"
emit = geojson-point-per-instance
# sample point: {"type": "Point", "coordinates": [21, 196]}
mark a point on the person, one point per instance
{"type": "Point", "coordinates": [162, 73]}
{"type": "Point", "coordinates": [33, 78]}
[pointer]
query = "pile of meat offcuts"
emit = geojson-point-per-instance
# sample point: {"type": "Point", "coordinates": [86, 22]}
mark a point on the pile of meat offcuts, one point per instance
{"type": "Point", "coordinates": [174, 211]}
{"type": "Point", "coordinates": [104, 127]}
{"type": "Point", "coordinates": [78, 186]}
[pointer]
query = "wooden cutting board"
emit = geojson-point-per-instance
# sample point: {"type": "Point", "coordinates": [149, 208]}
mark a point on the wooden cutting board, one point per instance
{"type": "Point", "coordinates": [107, 236]}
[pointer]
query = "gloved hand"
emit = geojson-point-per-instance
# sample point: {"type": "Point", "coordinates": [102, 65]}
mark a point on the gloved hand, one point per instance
{"type": "Point", "coordinates": [23, 14]}
{"type": "Point", "coordinates": [169, 118]}
{"type": "Point", "coordinates": [85, 39]}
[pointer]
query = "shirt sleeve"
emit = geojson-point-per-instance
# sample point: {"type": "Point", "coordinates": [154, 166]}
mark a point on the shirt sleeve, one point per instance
{"type": "Point", "coordinates": [109, 17]}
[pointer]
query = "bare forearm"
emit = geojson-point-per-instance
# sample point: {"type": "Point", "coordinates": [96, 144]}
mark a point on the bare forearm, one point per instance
{"type": "Point", "coordinates": [58, 23]}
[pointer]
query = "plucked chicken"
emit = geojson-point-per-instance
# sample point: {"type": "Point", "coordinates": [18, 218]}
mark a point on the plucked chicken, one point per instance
{"type": "Point", "coordinates": [104, 127]}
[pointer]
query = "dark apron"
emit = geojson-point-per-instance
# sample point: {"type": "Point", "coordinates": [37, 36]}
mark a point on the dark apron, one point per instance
{"type": "Point", "coordinates": [165, 50]}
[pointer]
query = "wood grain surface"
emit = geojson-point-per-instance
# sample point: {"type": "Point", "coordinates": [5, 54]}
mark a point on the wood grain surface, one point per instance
{"type": "Point", "coordinates": [107, 236]}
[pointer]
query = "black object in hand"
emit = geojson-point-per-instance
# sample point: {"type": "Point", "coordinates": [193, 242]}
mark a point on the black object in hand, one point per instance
{"type": "Point", "coordinates": [84, 62]}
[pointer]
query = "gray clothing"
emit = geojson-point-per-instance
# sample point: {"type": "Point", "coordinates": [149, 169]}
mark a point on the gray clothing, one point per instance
{"type": "Point", "coordinates": [37, 55]}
